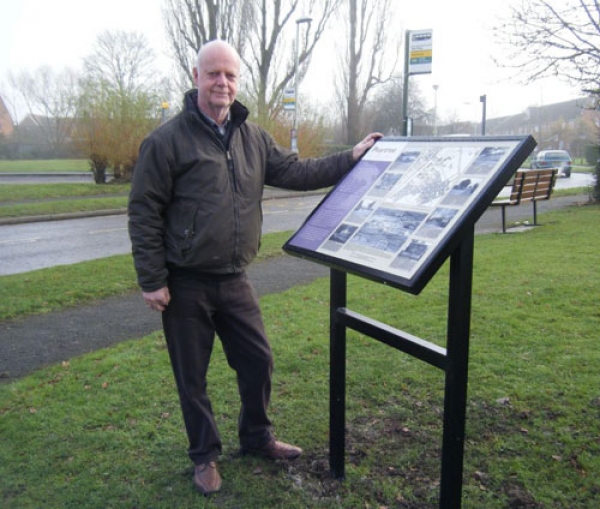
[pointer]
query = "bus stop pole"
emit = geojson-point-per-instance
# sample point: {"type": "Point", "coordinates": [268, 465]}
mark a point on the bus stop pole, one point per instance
{"type": "Point", "coordinates": [405, 129]}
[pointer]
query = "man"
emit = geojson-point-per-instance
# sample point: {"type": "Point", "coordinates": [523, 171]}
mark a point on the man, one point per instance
{"type": "Point", "coordinates": [195, 223]}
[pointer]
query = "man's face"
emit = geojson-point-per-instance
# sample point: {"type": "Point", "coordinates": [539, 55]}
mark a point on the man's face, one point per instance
{"type": "Point", "coordinates": [217, 79]}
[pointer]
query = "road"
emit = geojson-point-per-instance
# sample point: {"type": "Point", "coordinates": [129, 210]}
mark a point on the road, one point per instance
{"type": "Point", "coordinates": [32, 246]}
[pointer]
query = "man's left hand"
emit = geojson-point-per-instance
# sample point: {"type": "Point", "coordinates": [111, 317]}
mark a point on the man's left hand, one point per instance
{"type": "Point", "coordinates": [361, 147]}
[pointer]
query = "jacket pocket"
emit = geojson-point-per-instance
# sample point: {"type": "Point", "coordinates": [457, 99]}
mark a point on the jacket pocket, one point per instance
{"type": "Point", "coordinates": [189, 232]}
{"type": "Point", "coordinates": [180, 230]}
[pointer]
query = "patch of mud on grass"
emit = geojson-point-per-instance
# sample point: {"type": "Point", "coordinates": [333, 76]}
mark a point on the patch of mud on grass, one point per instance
{"type": "Point", "coordinates": [392, 463]}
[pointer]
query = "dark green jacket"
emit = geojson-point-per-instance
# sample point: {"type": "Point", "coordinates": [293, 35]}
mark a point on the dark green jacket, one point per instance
{"type": "Point", "coordinates": [195, 204]}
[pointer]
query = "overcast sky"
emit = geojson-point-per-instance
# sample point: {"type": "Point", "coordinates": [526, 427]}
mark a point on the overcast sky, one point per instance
{"type": "Point", "coordinates": [59, 33]}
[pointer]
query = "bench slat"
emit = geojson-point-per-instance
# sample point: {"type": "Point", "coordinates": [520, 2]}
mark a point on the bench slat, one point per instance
{"type": "Point", "coordinates": [536, 185]}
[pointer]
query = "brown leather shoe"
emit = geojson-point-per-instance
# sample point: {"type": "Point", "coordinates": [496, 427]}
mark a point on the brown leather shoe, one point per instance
{"type": "Point", "coordinates": [275, 450]}
{"type": "Point", "coordinates": [207, 479]}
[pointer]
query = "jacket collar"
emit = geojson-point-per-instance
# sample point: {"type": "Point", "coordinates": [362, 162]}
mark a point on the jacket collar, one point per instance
{"type": "Point", "coordinates": [239, 113]}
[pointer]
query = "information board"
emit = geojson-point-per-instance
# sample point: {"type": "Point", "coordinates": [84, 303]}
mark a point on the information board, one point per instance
{"type": "Point", "coordinates": [396, 216]}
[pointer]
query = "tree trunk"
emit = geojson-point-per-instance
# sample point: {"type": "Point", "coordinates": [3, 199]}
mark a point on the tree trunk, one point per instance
{"type": "Point", "coordinates": [98, 165]}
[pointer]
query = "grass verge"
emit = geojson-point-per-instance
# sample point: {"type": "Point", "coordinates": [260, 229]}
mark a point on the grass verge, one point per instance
{"type": "Point", "coordinates": [12, 193]}
{"type": "Point", "coordinates": [20, 200]}
{"type": "Point", "coordinates": [104, 430]}
{"type": "Point", "coordinates": [72, 203]}
{"type": "Point", "coordinates": [63, 207]}
{"type": "Point", "coordinates": [44, 165]}
{"type": "Point", "coordinates": [52, 289]}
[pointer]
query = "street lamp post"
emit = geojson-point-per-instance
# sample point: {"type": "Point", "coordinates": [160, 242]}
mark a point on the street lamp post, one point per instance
{"type": "Point", "coordinates": [294, 137]}
{"type": "Point", "coordinates": [483, 100]}
{"type": "Point", "coordinates": [435, 127]}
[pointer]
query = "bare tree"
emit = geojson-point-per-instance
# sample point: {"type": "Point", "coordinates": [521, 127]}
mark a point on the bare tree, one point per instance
{"type": "Point", "coordinates": [365, 64]}
{"type": "Point", "coordinates": [191, 23]}
{"type": "Point", "coordinates": [51, 98]}
{"type": "Point", "coordinates": [554, 38]}
{"type": "Point", "coordinates": [261, 30]}
{"type": "Point", "coordinates": [387, 109]}
{"type": "Point", "coordinates": [123, 60]}
{"type": "Point", "coordinates": [270, 56]}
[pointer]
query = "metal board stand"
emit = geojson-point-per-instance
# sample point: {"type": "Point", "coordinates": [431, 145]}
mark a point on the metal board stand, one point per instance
{"type": "Point", "coordinates": [453, 360]}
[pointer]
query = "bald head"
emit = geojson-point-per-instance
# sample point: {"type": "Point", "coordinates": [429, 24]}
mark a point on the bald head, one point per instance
{"type": "Point", "coordinates": [220, 49]}
{"type": "Point", "coordinates": [217, 75]}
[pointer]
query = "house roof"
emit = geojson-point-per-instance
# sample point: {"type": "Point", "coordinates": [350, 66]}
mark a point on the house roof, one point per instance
{"type": "Point", "coordinates": [567, 110]}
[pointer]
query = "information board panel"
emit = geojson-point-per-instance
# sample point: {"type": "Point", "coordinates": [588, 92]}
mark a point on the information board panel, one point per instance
{"type": "Point", "coordinates": [397, 215]}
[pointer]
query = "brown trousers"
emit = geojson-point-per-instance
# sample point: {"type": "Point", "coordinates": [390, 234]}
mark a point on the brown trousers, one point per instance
{"type": "Point", "coordinates": [202, 305]}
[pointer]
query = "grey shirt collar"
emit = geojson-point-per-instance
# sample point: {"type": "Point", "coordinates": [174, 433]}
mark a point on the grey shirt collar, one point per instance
{"type": "Point", "coordinates": [220, 129]}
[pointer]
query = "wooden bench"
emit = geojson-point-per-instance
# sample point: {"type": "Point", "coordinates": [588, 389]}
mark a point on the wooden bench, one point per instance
{"type": "Point", "coordinates": [528, 185]}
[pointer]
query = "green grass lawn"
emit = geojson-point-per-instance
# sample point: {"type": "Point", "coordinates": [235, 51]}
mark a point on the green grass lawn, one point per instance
{"type": "Point", "coordinates": [104, 430]}
{"type": "Point", "coordinates": [44, 166]}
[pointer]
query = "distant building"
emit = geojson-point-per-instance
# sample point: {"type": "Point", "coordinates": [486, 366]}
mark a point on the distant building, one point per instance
{"type": "Point", "coordinates": [6, 122]}
{"type": "Point", "coordinates": [47, 137]}
{"type": "Point", "coordinates": [568, 125]}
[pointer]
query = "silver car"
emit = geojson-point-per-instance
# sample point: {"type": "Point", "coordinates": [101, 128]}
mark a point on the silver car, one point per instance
{"type": "Point", "coordinates": [553, 159]}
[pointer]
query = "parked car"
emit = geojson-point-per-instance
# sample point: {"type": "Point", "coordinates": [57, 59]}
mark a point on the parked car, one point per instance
{"type": "Point", "coordinates": [553, 159]}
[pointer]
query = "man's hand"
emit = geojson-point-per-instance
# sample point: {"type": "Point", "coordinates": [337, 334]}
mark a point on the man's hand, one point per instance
{"type": "Point", "coordinates": [157, 300]}
{"type": "Point", "coordinates": [361, 147]}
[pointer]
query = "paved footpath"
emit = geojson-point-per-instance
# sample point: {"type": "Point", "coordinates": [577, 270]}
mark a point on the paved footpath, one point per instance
{"type": "Point", "coordinates": [41, 340]}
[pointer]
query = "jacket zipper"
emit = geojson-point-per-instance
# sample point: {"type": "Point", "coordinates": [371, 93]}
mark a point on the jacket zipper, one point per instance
{"type": "Point", "coordinates": [236, 215]}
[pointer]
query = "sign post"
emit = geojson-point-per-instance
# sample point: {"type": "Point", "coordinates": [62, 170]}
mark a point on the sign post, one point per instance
{"type": "Point", "coordinates": [418, 55]}
{"type": "Point", "coordinates": [289, 99]}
